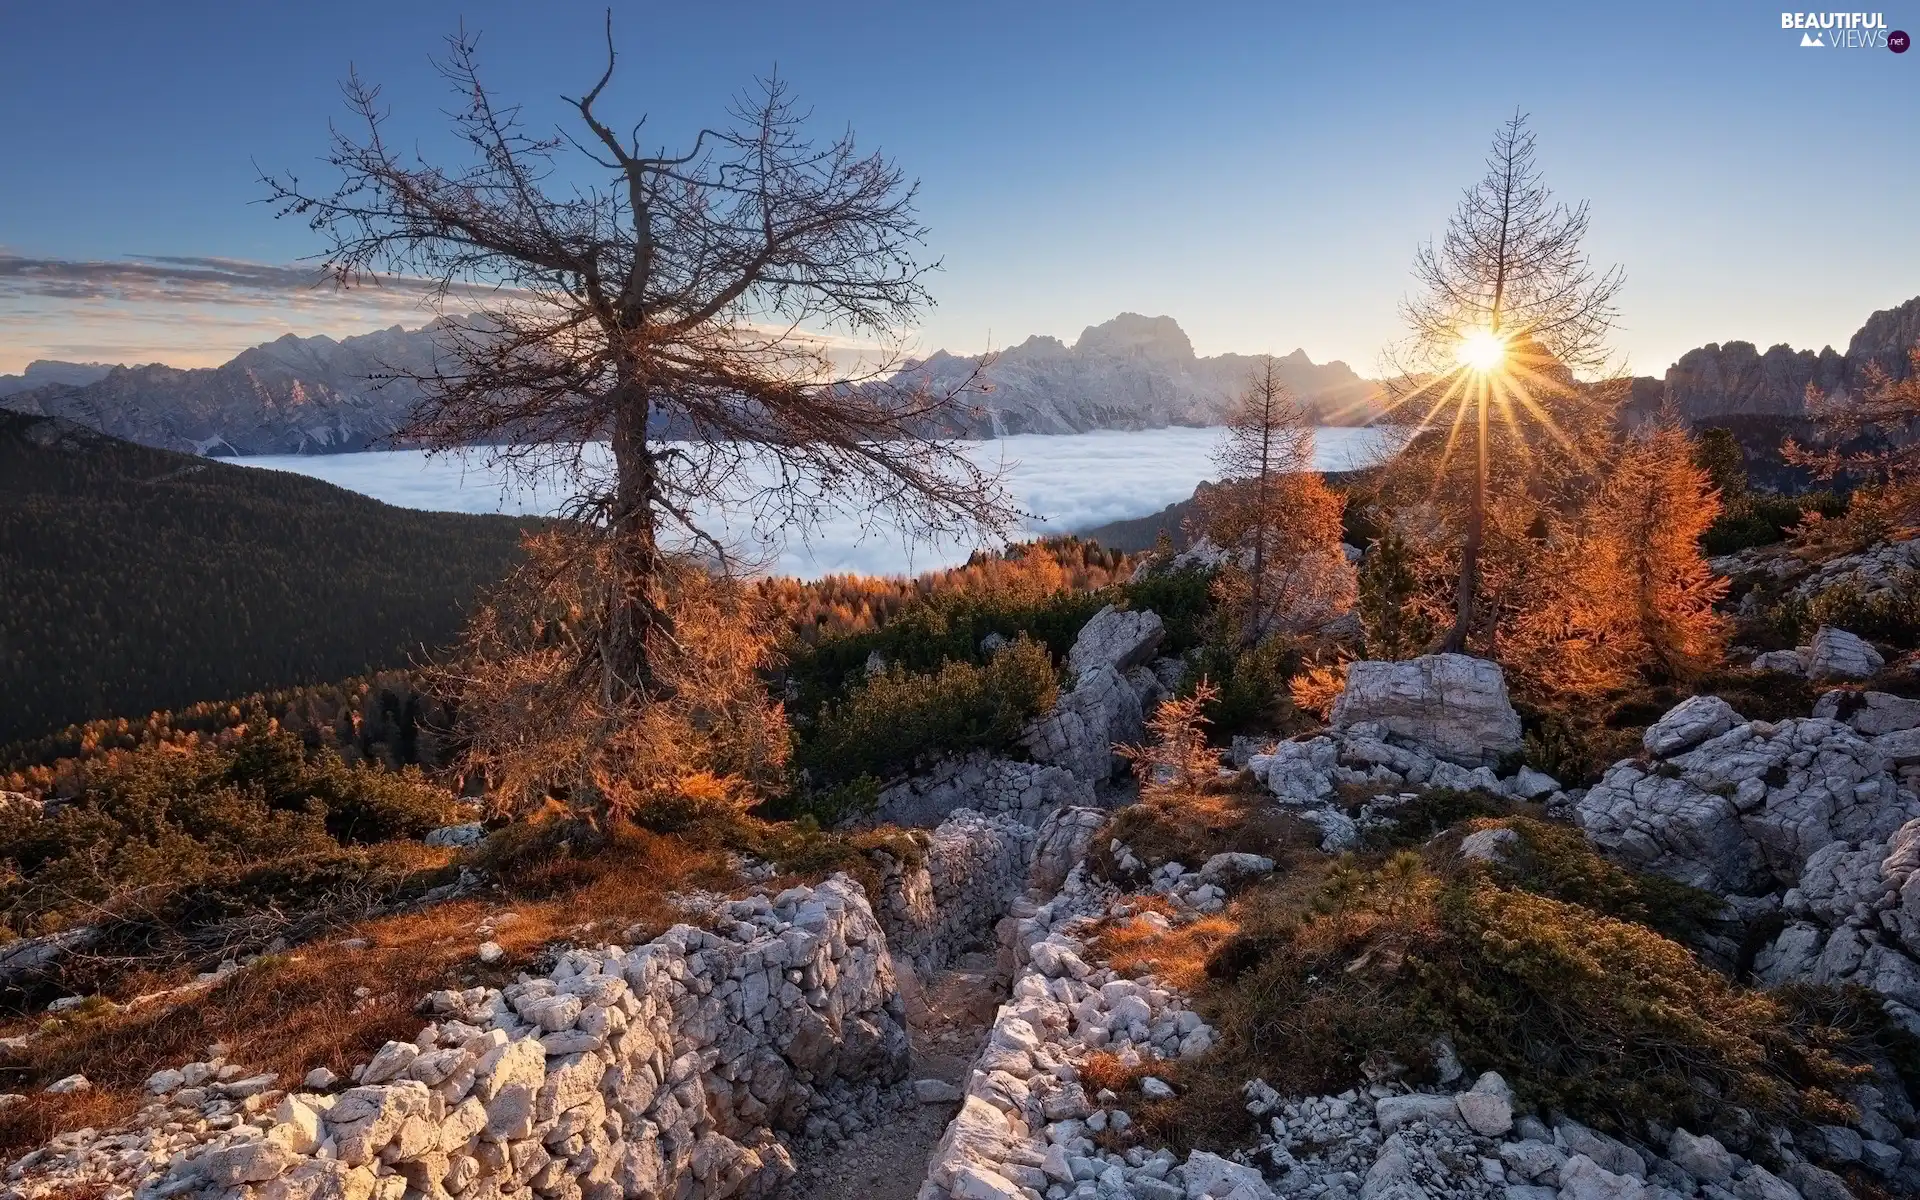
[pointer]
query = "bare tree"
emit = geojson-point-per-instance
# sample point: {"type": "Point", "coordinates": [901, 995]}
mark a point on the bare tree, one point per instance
{"type": "Point", "coordinates": [680, 308]}
{"type": "Point", "coordinates": [1510, 281]}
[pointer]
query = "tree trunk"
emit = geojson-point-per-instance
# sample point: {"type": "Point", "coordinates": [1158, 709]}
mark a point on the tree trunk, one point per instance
{"type": "Point", "coordinates": [634, 613]}
{"type": "Point", "coordinates": [1465, 595]}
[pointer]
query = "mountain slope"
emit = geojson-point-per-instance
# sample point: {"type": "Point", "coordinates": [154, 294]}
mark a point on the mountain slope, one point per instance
{"type": "Point", "coordinates": [139, 579]}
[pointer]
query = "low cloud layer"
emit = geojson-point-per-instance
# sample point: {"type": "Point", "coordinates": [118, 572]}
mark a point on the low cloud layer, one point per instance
{"type": "Point", "coordinates": [1070, 482]}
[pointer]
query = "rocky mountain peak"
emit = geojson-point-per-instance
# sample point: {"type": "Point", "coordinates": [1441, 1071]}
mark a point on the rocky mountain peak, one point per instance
{"type": "Point", "coordinates": [1132, 334]}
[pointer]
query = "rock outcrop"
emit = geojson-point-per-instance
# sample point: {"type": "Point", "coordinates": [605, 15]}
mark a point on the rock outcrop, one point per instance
{"type": "Point", "coordinates": [1453, 705]}
{"type": "Point", "coordinates": [1113, 688]}
{"type": "Point", "coordinates": [1736, 378]}
{"type": "Point", "coordinates": [1740, 813]}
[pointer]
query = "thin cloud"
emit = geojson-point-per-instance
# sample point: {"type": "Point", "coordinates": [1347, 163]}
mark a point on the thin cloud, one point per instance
{"type": "Point", "coordinates": [207, 280]}
{"type": "Point", "coordinates": [201, 310]}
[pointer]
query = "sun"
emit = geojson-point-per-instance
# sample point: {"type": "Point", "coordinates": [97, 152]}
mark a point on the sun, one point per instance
{"type": "Point", "coordinates": [1482, 350]}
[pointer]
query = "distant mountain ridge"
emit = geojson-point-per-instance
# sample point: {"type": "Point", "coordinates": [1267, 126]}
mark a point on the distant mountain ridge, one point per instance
{"type": "Point", "coordinates": [1133, 372]}
{"type": "Point", "coordinates": [1734, 379]}
{"type": "Point", "coordinates": [314, 395]}
{"type": "Point", "coordinates": [317, 395]}
{"type": "Point", "coordinates": [44, 372]}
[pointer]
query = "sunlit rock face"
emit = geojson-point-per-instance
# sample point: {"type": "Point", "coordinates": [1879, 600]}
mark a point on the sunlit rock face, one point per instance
{"type": "Point", "coordinates": [1453, 705]}
{"type": "Point", "coordinates": [1738, 379]}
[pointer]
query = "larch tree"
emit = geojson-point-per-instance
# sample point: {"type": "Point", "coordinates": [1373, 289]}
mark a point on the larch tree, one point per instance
{"type": "Point", "coordinates": [1506, 299]}
{"type": "Point", "coordinates": [1274, 514]}
{"type": "Point", "coordinates": [1874, 434]}
{"type": "Point", "coordinates": [678, 308]}
{"type": "Point", "coordinates": [1653, 507]}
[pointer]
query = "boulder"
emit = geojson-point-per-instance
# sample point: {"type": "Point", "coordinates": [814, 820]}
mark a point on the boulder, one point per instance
{"type": "Point", "coordinates": [1530, 784]}
{"type": "Point", "coordinates": [1689, 723]}
{"type": "Point", "coordinates": [1783, 662]}
{"type": "Point", "coordinates": [1117, 638]}
{"type": "Point", "coordinates": [1299, 772]}
{"type": "Point", "coordinates": [1704, 1158]}
{"type": "Point", "coordinates": [1870, 713]}
{"type": "Point", "coordinates": [1838, 654]}
{"type": "Point", "coordinates": [1079, 734]}
{"type": "Point", "coordinates": [1451, 704]}
{"type": "Point", "coordinates": [470, 834]}
{"type": "Point", "coordinates": [1064, 839]}
{"type": "Point", "coordinates": [1488, 845]}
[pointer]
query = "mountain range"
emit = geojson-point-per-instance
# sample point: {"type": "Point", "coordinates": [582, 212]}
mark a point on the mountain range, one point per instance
{"type": "Point", "coordinates": [320, 395]}
{"type": "Point", "coordinates": [1735, 379]}
{"type": "Point", "coordinates": [1132, 372]}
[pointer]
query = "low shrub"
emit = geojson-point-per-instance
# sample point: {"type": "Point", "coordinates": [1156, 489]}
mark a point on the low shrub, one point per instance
{"type": "Point", "coordinates": [1251, 685]}
{"type": "Point", "coordinates": [1764, 519]}
{"type": "Point", "coordinates": [1583, 1011]}
{"type": "Point", "coordinates": [1182, 599]}
{"type": "Point", "coordinates": [1557, 861]}
{"type": "Point", "coordinates": [1419, 821]}
{"type": "Point", "coordinates": [1891, 615]}
{"type": "Point", "coordinates": [143, 827]}
{"type": "Point", "coordinates": [1575, 750]}
{"type": "Point", "coordinates": [899, 719]}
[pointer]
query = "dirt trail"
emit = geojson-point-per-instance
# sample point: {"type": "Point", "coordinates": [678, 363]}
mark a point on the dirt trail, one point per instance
{"type": "Point", "coordinates": [947, 1025]}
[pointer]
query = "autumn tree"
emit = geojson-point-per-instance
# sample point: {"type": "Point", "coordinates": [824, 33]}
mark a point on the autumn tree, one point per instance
{"type": "Point", "coordinates": [1873, 434]}
{"type": "Point", "coordinates": [1275, 515]}
{"type": "Point", "coordinates": [1176, 762]}
{"type": "Point", "coordinates": [1507, 297]}
{"type": "Point", "coordinates": [674, 307]}
{"type": "Point", "coordinates": [1652, 509]}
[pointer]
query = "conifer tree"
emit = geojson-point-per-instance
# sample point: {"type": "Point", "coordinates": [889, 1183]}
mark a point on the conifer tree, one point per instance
{"type": "Point", "coordinates": [1275, 515]}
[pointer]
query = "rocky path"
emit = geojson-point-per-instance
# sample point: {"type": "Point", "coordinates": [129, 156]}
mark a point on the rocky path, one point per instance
{"type": "Point", "coordinates": [948, 1024]}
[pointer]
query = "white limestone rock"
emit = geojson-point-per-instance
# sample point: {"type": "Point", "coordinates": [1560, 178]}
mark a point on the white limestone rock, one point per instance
{"type": "Point", "coordinates": [1453, 705]}
{"type": "Point", "coordinates": [1116, 638]}
{"type": "Point", "coordinates": [1689, 723]}
{"type": "Point", "coordinates": [1837, 654]}
{"type": "Point", "coordinates": [1869, 713]}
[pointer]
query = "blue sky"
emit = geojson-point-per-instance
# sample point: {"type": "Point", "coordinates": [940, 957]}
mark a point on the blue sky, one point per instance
{"type": "Point", "coordinates": [1261, 172]}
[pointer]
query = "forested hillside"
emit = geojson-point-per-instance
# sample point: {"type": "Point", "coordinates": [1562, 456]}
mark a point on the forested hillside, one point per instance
{"type": "Point", "coordinates": [139, 579]}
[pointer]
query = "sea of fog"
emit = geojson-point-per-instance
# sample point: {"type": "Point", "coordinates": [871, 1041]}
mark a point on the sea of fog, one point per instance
{"type": "Point", "coordinates": [1070, 482]}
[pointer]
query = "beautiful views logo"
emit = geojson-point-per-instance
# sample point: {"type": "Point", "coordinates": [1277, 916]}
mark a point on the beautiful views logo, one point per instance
{"type": "Point", "coordinates": [1845, 31]}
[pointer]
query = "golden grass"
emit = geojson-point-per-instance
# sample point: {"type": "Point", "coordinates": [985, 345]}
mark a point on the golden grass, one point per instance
{"type": "Point", "coordinates": [330, 1004]}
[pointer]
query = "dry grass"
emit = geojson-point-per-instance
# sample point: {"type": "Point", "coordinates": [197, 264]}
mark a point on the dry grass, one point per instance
{"type": "Point", "coordinates": [1178, 955]}
{"type": "Point", "coordinates": [290, 1013]}
{"type": "Point", "coordinates": [1193, 828]}
{"type": "Point", "coordinates": [1105, 1070]}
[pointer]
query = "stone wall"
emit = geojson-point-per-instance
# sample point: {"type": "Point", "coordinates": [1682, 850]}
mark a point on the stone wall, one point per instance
{"type": "Point", "coordinates": [975, 865]}
{"type": "Point", "coordinates": [1023, 791]}
{"type": "Point", "coordinates": [661, 1070]}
